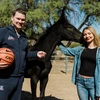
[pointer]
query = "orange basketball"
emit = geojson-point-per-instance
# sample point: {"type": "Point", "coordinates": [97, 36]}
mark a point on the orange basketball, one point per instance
{"type": "Point", "coordinates": [6, 57]}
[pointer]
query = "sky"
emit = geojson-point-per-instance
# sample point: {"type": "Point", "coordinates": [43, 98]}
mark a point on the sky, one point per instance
{"type": "Point", "coordinates": [97, 28]}
{"type": "Point", "coordinates": [77, 22]}
{"type": "Point", "coordinates": [78, 17]}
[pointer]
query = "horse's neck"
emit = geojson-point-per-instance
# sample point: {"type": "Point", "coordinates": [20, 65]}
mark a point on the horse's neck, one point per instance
{"type": "Point", "coordinates": [48, 44]}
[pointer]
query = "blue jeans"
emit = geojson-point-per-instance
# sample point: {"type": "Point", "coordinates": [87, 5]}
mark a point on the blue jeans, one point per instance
{"type": "Point", "coordinates": [85, 88]}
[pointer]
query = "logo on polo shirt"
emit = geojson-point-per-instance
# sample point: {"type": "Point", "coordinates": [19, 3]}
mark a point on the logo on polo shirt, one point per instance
{"type": "Point", "coordinates": [11, 38]}
{"type": "Point", "coordinates": [1, 88]}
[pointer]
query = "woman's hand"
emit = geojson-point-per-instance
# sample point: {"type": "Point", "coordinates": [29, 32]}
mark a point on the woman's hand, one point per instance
{"type": "Point", "coordinates": [97, 98]}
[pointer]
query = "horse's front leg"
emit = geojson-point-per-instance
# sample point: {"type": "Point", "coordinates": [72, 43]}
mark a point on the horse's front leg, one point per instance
{"type": "Point", "coordinates": [44, 79]}
{"type": "Point", "coordinates": [43, 83]}
{"type": "Point", "coordinates": [33, 82]}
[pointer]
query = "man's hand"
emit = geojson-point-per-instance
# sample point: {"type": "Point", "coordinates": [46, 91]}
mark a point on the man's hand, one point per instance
{"type": "Point", "coordinates": [41, 54]}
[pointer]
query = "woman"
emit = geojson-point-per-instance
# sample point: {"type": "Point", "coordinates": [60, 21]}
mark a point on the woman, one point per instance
{"type": "Point", "coordinates": [86, 70]}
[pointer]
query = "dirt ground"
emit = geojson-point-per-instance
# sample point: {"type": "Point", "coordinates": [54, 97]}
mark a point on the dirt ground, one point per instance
{"type": "Point", "coordinates": [59, 86]}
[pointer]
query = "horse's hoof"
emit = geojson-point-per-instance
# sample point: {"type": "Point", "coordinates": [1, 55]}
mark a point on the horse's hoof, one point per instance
{"type": "Point", "coordinates": [41, 98]}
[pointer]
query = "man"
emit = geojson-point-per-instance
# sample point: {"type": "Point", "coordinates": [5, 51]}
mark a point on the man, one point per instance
{"type": "Point", "coordinates": [12, 37]}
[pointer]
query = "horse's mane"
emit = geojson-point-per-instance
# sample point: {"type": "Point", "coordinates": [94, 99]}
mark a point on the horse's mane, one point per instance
{"type": "Point", "coordinates": [62, 21]}
{"type": "Point", "coordinates": [45, 34]}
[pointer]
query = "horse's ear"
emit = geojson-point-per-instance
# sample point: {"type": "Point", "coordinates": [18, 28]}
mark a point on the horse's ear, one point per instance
{"type": "Point", "coordinates": [63, 16]}
{"type": "Point", "coordinates": [63, 12]}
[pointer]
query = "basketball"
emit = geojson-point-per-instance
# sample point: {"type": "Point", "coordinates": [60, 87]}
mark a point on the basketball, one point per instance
{"type": "Point", "coordinates": [6, 57]}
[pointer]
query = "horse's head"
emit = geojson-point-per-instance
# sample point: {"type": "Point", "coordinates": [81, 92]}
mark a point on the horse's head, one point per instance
{"type": "Point", "coordinates": [67, 31]}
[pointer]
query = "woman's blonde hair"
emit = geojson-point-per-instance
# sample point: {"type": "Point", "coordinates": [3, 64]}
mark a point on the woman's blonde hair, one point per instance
{"type": "Point", "coordinates": [96, 37]}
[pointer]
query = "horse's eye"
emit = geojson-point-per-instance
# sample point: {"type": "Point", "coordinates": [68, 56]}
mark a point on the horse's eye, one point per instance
{"type": "Point", "coordinates": [70, 26]}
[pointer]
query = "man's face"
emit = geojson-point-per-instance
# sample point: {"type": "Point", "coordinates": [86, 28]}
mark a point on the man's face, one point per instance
{"type": "Point", "coordinates": [18, 20]}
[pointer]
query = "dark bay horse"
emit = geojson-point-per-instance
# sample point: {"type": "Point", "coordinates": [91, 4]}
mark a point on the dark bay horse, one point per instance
{"type": "Point", "coordinates": [40, 68]}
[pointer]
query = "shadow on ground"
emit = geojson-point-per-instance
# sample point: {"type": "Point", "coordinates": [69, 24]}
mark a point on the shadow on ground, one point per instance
{"type": "Point", "coordinates": [27, 96]}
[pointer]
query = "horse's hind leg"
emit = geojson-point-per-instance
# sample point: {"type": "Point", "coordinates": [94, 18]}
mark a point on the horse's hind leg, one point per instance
{"type": "Point", "coordinates": [43, 83]}
{"type": "Point", "coordinates": [34, 82]}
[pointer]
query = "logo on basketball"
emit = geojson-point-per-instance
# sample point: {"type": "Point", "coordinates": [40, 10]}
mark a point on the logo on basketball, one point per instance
{"type": "Point", "coordinates": [10, 58]}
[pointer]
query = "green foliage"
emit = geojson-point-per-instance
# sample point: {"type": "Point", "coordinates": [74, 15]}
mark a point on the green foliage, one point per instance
{"type": "Point", "coordinates": [6, 7]}
{"type": "Point", "coordinates": [41, 14]}
{"type": "Point", "coordinates": [92, 8]}
{"type": "Point", "coordinates": [74, 44]}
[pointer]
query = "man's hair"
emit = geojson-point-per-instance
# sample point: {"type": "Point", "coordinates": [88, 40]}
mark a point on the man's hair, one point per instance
{"type": "Point", "coordinates": [20, 10]}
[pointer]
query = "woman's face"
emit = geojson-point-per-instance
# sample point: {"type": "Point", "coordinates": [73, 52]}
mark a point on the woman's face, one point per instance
{"type": "Point", "coordinates": [88, 36]}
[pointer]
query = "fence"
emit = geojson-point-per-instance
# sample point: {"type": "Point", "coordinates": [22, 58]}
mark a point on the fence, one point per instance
{"type": "Point", "coordinates": [61, 62]}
